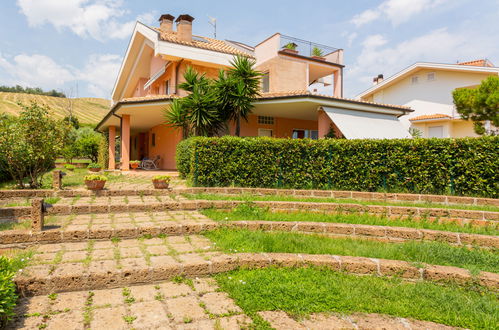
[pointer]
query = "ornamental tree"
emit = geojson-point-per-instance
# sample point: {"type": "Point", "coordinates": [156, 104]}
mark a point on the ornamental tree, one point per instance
{"type": "Point", "coordinates": [480, 105]}
{"type": "Point", "coordinates": [30, 143]}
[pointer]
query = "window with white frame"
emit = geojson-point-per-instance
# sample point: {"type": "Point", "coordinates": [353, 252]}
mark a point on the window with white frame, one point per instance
{"type": "Point", "coordinates": [436, 132]}
{"type": "Point", "coordinates": [431, 76]}
{"type": "Point", "coordinates": [265, 132]}
{"type": "Point", "coordinates": [167, 87]}
{"type": "Point", "coordinates": [265, 82]}
{"type": "Point", "coordinates": [305, 134]}
{"type": "Point", "coordinates": [414, 80]}
{"type": "Point", "coordinates": [266, 120]}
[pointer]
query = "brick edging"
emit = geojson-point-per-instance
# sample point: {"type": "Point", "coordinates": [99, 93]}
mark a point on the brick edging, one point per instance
{"type": "Point", "coordinates": [72, 279]}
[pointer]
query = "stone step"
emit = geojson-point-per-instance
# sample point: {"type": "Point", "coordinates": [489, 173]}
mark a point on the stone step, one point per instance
{"type": "Point", "coordinates": [109, 264]}
{"type": "Point", "coordinates": [456, 215]}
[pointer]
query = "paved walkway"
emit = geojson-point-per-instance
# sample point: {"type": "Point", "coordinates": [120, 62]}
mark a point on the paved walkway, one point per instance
{"type": "Point", "coordinates": [192, 304]}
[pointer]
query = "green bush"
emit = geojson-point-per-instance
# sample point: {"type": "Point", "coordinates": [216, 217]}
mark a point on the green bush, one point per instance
{"type": "Point", "coordinates": [94, 165]}
{"type": "Point", "coordinates": [165, 178]}
{"type": "Point", "coordinates": [103, 153]}
{"type": "Point", "coordinates": [466, 166]}
{"type": "Point", "coordinates": [8, 297]}
{"type": "Point", "coordinates": [95, 177]}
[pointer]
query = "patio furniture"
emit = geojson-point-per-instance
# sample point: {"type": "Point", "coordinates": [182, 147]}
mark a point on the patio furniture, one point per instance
{"type": "Point", "coordinates": [151, 164]}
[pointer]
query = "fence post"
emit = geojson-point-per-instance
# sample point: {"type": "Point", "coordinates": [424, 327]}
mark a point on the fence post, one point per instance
{"type": "Point", "coordinates": [56, 180]}
{"type": "Point", "coordinates": [37, 216]}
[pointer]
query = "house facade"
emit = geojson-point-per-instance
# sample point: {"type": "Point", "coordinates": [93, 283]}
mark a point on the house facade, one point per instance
{"type": "Point", "coordinates": [301, 94]}
{"type": "Point", "coordinates": [427, 88]}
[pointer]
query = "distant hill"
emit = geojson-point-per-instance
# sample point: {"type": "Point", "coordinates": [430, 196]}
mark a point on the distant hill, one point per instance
{"type": "Point", "coordinates": [88, 110]}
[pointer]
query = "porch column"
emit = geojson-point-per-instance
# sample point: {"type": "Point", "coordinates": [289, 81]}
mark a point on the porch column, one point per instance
{"type": "Point", "coordinates": [338, 83]}
{"type": "Point", "coordinates": [125, 142]}
{"type": "Point", "coordinates": [324, 123]}
{"type": "Point", "coordinates": [112, 147]}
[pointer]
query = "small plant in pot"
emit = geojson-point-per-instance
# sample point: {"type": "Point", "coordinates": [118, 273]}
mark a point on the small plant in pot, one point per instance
{"type": "Point", "coordinates": [95, 181]}
{"type": "Point", "coordinates": [134, 164]}
{"type": "Point", "coordinates": [69, 167]}
{"type": "Point", "coordinates": [318, 53]}
{"type": "Point", "coordinates": [290, 47]}
{"type": "Point", "coordinates": [94, 167]}
{"type": "Point", "coordinates": [161, 181]}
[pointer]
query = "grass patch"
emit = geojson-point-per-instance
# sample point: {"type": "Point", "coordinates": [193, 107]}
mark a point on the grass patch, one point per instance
{"type": "Point", "coordinates": [248, 211]}
{"type": "Point", "coordinates": [242, 240]}
{"type": "Point", "coordinates": [301, 291]}
{"type": "Point", "coordinates": [286, 198]}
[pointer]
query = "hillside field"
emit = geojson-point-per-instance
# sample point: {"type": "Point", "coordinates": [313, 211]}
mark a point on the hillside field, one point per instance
{"type": "Point", "coordinates": [87, 110]}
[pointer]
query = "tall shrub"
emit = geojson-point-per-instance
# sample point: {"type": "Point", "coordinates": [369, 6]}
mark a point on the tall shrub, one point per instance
{"type": "Point", "coordinates": [30, 143]}
{"type": "Point", "coordinates": [467, 166]}
{"type": "Point", "coordinates": [8, 297]}
{"type": "Point", "coordinates": [103, 152]}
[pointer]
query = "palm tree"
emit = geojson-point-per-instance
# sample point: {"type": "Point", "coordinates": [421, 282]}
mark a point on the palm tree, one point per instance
{"type": "Point", "coordinates": [237, 89]}
{"type": "Point", "coordinates": [176, 116]}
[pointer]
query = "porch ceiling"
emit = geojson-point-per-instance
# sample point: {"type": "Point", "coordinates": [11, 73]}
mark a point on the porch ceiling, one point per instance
{"type": "Point", "coordinates": [144, 116]}
{"type": "Point", "coordinates": [305, 110]}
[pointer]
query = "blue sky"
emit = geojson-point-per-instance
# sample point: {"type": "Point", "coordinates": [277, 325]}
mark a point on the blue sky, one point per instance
{"type": "Point", "coordinates": [77, 45]}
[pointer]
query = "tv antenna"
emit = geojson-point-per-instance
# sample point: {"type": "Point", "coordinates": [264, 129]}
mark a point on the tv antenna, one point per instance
{"type": "Point", "coordinates": [213, 22]}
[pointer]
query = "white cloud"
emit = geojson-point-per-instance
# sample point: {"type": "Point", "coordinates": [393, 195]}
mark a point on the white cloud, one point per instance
{"type": "Point", "coordinates": [396, 11]}
{"type": "Point", "coordinates": [98, 74]}
{"type": "Point", "coordinates": [98, 19]}
{"type": "Point", "coordinates": [436, 46]}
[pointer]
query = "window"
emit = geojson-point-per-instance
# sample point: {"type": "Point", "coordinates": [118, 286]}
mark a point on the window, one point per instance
{"type": "Point", "coordinates": [414, 80]}
{"type": "Point", "coordinates": [436, 132]}
{"type": "Point", "coordinates": [167, 87]}
{"type": "Point", "coordinates": [264, 132]}
{"type": "Point", "coordinates": [431, 76]}
{"type": "Point", "coordinates": [265, 82]}
{"type": "Point", "coordinates": [305, 134]}
{"type": "Point", "coordinates": [266, 120]}
{"type": "Point", "coordinates": [153, 139]}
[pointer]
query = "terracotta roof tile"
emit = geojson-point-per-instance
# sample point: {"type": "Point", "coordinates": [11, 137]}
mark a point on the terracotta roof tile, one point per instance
{"type": "Point", "coordinates": [483, 62]}
{"type": "Point", "coordinates": [432, 116]}
{"type": "Point", "coordinates": [208, 43]}
{"type": "Point", "coordinates": [308, 93]}
{"type": "Point", "coordinates": [264, 96]}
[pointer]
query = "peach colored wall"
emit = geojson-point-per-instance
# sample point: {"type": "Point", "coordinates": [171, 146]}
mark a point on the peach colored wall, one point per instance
{"type": "Point", "coordinates": [156, 64]}
{"type": "Point", "coordinates": [167, 139]}
{"type": "Point", "coordinates": [125, 143]}
{"type": "Point", "coordinates": [267, 49]}
{"type": "Point", "coordinates": [282, 127]}
{"type": "Point", "coordinates": [324, 123]}
{"type": "Point", "coordinates": [285, 74]}
{"type": "Point", "coordinates": [139, 89]}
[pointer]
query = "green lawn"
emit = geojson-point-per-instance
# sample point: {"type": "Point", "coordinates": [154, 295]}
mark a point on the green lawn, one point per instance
{"type": "Point", "coordinates": [249, 211]}
{"type": "Point", "coordinates": [301, 291]}
{"type": "Point", "coordinates": [242, 240]}
{"type": "Point", "coordinates": [286, 198]}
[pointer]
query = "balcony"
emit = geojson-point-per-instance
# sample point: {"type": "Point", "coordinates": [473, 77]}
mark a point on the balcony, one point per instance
{"type": "Point", "coordinates": [310, 49]}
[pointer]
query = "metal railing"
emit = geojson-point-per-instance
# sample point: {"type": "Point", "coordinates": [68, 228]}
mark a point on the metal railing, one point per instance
{"type": "Point", "coordinates": [304, 47]}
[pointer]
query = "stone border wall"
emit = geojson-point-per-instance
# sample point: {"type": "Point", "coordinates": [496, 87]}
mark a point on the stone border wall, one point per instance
{"type": "Point", "coordinates": [258, 191]}
{"type": "Point", "coordinates": [72, 278]}
{"type": "Point", "coordinates": [390, 234]}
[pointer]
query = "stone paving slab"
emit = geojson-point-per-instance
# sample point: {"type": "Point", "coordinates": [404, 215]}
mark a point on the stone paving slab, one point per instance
{"type": "Point", "coordinates": [281, 321]}
{"type": "Point", "coordinates": [183, 304]}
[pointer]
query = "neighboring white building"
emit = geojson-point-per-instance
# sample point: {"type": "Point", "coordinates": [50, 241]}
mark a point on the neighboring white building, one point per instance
{"type": "Point", "coordinates": [427, 89]}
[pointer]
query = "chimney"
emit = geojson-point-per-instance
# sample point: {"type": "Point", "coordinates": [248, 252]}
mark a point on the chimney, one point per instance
{"type": "Point", "coordinates": [166, 23]}
{"type": "Point", "coordinates": [184, 27]}
{"type": "Point", "coordinates": [377, 79]}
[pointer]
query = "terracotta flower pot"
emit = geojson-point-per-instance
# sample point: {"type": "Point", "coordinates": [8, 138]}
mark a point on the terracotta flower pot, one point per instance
{"type": "Point", "coordinates": [319, 58]}
{"type": "Point", "coordinates": [95, 169]}
{"type": "Point", "coordinates": [160, 184]}
{"type": "Point", "coordinates": [134, 166]}
{"type": "Point", "coordinates": [95, 184]}
{"type": "Point", "coordinates": [289, 50]}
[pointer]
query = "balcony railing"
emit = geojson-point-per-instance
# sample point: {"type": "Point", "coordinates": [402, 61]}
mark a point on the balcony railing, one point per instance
{"type": "Point", "coordinates": [304, 47]}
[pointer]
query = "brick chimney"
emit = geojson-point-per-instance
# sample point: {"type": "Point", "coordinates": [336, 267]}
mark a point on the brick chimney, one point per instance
{"type": "Point", "coordinates": [166, 23]}
{"type": "Point", "coordinates": [184, 27]}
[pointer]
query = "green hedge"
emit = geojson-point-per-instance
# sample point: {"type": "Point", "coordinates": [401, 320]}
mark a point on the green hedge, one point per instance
{"type": "Point", "coordinates": [8, 296]}
{"type": "Point", "coordinates": [466, 166]}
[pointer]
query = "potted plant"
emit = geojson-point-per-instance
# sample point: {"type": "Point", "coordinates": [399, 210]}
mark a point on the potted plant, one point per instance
{"type": "Point", "coordinates": [161, 181]}
{"type": "Point", "coordinates": [69, 167]}
{"type": "Point", "coordinates": [95, 181]}
{"type": "Point", "coordinates": [290, 47]}
{"type": "Point", "coordinates": [134, 164]}
{"type": "Point", "coordinates": [94, 167]}
{"type": "Point", "coordinates": [318, 53]}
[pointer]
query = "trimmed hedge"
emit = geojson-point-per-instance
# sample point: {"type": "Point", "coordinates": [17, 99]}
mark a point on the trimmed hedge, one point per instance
{"type": "Point", "coordinates": [465, 166]}
{"type": "Point", "coordinates": [8, 296]}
